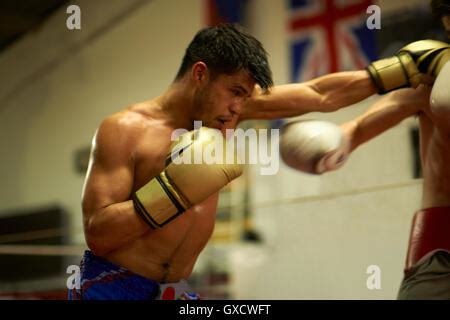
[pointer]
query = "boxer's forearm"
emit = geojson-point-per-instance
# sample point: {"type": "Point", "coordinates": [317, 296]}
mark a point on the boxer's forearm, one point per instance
{"type": "Point", "coordinates": [111, 227]}
{"type": "Point", "coordinates": [324, 94]}
{"type": "Point", "coordinates": [342, 89]}
{"type": "Point", "coordinates": [384, 114]}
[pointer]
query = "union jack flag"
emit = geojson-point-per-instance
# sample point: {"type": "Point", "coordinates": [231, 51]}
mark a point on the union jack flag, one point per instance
{"type": "Point", "coordinates": [329, 36]}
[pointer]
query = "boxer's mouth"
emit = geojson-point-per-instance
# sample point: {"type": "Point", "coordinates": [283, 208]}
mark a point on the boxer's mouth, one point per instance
{"type": "Point", "coordinates": [224, 119]}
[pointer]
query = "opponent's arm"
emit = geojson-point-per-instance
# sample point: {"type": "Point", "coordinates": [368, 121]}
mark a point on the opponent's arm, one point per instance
{"type": "Point", "coordinates": [386, 113]}
{"type": "Point", "coordinates": [315, 146]}
{"type": "Point", "coordinates": [323, 94]}
{"type": "Point", "coordinates": [109, 217]}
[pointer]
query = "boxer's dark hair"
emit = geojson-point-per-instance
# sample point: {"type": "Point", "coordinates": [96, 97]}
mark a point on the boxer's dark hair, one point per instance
{"type": "Point", "coordinates": [225, 49]}
{"type": "Point", "coordinates": [440, 8]}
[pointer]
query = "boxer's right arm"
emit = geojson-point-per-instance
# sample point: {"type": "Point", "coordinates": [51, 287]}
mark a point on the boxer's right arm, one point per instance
{"type": "Point", "coordinates": [384, 114]}
{"type": "Point", "coordinates": [109, 217]}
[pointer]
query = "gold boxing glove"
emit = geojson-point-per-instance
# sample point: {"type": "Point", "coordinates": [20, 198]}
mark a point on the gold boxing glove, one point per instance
{"type": "Point", "coordinates": [200, 164]}
{"type": "Point", "coordinates": [417, 63]}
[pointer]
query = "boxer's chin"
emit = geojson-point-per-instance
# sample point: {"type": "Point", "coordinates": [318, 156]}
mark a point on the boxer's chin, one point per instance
{"type": "Point", "coordinates": [222, 126]}
{"type": "Point", "coordinates": [217, 124]}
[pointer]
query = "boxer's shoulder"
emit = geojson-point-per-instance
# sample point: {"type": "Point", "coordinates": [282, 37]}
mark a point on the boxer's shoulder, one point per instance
{"type": "Point", "coordinates": [119, 130]}
{"type": "Point", "coordinates": [118, 137]}
{"type": "Point", "coordinates": [127, 121]}
{"type": "Point", "coordinates": [131, 125]}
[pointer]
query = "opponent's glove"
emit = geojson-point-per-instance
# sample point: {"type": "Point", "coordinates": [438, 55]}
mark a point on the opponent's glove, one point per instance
{"type": "Point", "coordinates": [189, 176]}
{"type": "Point", "coordinates": [313, 146]}
{"type": "Point", "coordinates": [417, 63]}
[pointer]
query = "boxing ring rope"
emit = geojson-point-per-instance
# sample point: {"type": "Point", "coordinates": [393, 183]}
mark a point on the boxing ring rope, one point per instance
{"type": "Point", "coordinates": [35, 234]}
{"type": "Point", "coordinates": [334, 195]}
{"type": "Point", "coordinates": [42, 250]}
{"type": "Point", "coordinates": [78, 249]}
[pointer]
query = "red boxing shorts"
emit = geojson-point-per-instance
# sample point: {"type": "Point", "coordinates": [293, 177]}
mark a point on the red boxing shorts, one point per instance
{"type": "Point", "coordinates": [430, 232]}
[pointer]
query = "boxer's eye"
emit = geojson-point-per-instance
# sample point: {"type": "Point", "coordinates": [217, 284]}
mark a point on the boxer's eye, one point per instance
{"type": "Point", "coordinates": [237, 93]}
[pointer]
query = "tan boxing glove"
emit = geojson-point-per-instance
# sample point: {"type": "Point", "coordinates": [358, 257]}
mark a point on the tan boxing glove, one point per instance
{"type": "Point", "coordinates": [417, 63]}
{"type": "Point", "coordinates": [189, 178]}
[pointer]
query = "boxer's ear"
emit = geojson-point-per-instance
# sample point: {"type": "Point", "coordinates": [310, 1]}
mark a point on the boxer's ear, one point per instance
{"type": "Point", "coordinates": [199, 71]}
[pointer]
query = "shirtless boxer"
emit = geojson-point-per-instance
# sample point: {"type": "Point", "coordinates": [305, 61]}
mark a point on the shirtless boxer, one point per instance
{"type": "Point", "coordinates": [224, 78]}
{"type": "Point", "coordinates": [427, 270]}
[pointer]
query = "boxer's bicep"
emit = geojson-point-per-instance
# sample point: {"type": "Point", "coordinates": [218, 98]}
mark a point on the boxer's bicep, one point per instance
{"type": "Point", "coordinates": [110, 174]}
{"type": "Point", "coordinates": [106, 185]}
{"type": "Point", "coordinates": [109, 182]}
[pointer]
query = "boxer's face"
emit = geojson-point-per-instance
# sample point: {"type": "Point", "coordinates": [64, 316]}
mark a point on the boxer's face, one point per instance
{"type": "Point", "coordinates": [219, 102]}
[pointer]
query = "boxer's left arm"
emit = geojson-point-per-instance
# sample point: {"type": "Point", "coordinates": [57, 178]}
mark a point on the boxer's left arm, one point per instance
{"type": "Point", "coordinates": [323, 94]}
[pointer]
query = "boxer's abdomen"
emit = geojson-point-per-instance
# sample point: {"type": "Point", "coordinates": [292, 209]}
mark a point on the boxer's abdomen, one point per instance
{"type": "Point", "coordinates": [169, 254]}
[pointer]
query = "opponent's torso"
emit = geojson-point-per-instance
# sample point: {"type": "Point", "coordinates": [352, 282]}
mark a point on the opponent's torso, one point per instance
{"type": "Point", "coordinates": [435, 158]}
{"type": "Point", "coordinates": [167, 254]}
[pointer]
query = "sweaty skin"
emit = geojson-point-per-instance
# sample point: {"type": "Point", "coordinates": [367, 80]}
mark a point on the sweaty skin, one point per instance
{"type": "Point", "coordinates": [130, 147]}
